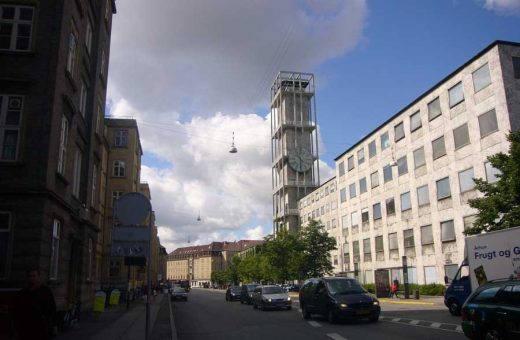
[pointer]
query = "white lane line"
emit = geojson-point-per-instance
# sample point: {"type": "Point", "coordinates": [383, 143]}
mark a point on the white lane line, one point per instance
{"type": "Point", "coordinates": [314, 324]}
{"type": "Point", "coordinates": [414, 322]}
{"type": "Point", "coordinates": [396, 319]}
{"type": "Point", "coordinates": [458, 329]}
{"type": "Point", "coordinates": [435, 325]}
{"type": "Point", "coordinates": [336, 336]}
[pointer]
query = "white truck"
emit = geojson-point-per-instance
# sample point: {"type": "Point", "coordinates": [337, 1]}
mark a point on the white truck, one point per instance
{"type": "Point", "coordinates": [489, 256]}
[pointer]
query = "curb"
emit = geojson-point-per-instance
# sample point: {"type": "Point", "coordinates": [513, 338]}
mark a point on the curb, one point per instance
{"type": "Point", "coordinates": [406, 302]}
{"type": "Point", "coordinates": [172, 322]}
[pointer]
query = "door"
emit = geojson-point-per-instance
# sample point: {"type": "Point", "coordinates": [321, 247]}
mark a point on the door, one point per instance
{"type": "Point", "coordinates": [382, 281]}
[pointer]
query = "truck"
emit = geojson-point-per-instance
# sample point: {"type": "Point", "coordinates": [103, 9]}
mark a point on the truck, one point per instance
{"type": "Point", "coordinates": [489, 256]}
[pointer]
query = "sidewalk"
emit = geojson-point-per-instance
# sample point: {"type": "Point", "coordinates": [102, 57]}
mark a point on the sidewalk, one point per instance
{"type": "Point", "coordinates": [423, 300]}
{"type": "Point", "coordinates": [119, 323]}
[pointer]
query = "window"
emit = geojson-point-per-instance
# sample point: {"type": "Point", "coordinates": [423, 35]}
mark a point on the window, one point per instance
{"type": "Point", "coordinates": [121, 138]}
{"type": "Point", "coordinates": [456, 94]}
{"type": "Point", "coordinates": [415, 121]}
{"type": "Point", "coordinates": [423, 195]}
{"type": "Point", "coordinates": [73, 51]}
{"type": "Point", "coordinates": [350, 163]}
{"type": "Point", "coordinates": [89, 264]}
{"type": "Point", "coordinates": [62, 154]}
{"type": "Point", "coordinates": [372, 149]}
{"type": "Point", "coordinates": [450, 270]}
{"type": "Point", "coordinates": [77, 174]}
{"type": "Point", "coordinates": [103, 61]}
{"type": "Point", "coordinates": [16, 28]}
{"type": "Point", "coordinates": [466, 180]}
{"type": "Point", "coordinates": [94, 184]}
{"type": "Point", "coordinates": [387, 173]}
{"type": "Point", "coordinates": [430, 274]}
{"type": "Point", "coordinates": [352, 190]}
{"type": "Point", "coordinates": [341, 168]}
{"type": "Point", "coordinates": [100, 114]}
{"type": "Point", "coordinates": [447, 231]}
{"type": "Point", "coordinates": [492, 173]}
{"type": "Point", "coordinates": [55, 251]}
{"type": "Point", "coordinates": [426, 235]}
{"type": "Point", "coordinates": [367, 252]}
{"type": "Point", "coordinates": [390, 206]}
{"type": "Point", "coordinates": [402, 166]}
{"type": "Point", "coordinates": [83, 98]}
{"type": "Point", "coordinates": [333, 223]}
{"type": "Point", "coordinates": [408, 238]}
{"type": "Point", "coordinates": [374, 180]}
{"type": "Point", "coordinates": [443, 188]}
{"type": "Point", "coordinates": [10, 119]}
{"type": "Point", "coordinates": [481, 78]}
{"type": "Point", "coordinates": [405, 201]}
{"type": "Point", "coordinates": [385, 141]}
{"type": "Point", "coordinates": [439, 149]}
{"type": "Point", "coordinates": [115, 196]}
{"type": "Point", "coordinates": [469, 221]}
{"type": "Point", "coordinates": [5, 230]}
{"type": "Point", "coordinates": [399, 132]}
{"type": "Point", "coordinates": [119, 169]}
{"type": "Point", "coordinates": [461, 136]}
{"type": "Point", "coordinates": [392, 241]}
{"type": "Point", "coordinates": [379, 244]}
{"type": "Point", "coordinates": [361, 156]}
{"type": "Point", "coordinates": [418, 157]}
{"type": "Point", "coordinates": [88, 37]}
{"type": "Point", "coordinates": [516, 67]}
{"type": "Point", "coordinates": [344, 221]}
{"type": "Point", "coordinates": [364, 215]}
{"type": "Point", "coordinates": [355, 218]}
{"type": "Point", "coordinates": [355, 248]}
{"type": "Point", "coordinates": [362, 185]}
{"type": "Point", "coordinates": [376, 211]}
{"type": "Point", "coordinates": [335, 260]}
{"type": "Point", "coordinates": [343, 195]}
{"type": "Point", "coordinates": [486, 295]}
{"type": "Point", "coordinates": [434, 109]}
{"type": "Point", "coordinates": [487, 123]}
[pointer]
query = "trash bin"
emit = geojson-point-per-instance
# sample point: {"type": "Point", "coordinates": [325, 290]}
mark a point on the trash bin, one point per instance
{"type": "Point", "coordinates": [416, 294]}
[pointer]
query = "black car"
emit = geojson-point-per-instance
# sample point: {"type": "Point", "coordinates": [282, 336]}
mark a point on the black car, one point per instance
{"type": "Point", "coordinates": [233, 293]}
{"type": "Point", "coordinates": [338, 298]}
{"type": "Point", "coordinates": [493, 311]}
{"type": "Point", "coordinates": [293, 288]}
{"type": "Point", "coordinates": [246, 293]}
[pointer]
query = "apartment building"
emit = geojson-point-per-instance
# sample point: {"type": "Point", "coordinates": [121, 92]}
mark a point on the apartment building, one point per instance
{"type": "Point", "coordinates": [403, 190]}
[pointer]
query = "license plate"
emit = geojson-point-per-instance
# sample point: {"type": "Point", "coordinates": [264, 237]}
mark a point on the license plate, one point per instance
{"type": "Point", "coordinates": [362, 312]}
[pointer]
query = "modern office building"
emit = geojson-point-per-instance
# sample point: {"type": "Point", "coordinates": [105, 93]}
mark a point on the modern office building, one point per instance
{"type": "Point", "coordinates": [403, 189]}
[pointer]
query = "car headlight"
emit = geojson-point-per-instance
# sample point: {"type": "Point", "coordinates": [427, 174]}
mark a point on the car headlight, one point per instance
{"type": "Point", "coordinates": [269, 300]}
{"type": "Point", "coordinates": [288, 298]}
{"type": "Point", "coordinates": [376, 303]}
{"type": "Point", "coordinates": [250, 295]}
{"type": "Point", "coordinates": [343, 305]}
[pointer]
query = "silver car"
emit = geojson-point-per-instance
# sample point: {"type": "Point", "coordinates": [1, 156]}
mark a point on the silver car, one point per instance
{"type": "Point", "coordinates": [179, 293]}
{"type": "Point", "coordinates": [271, 297]}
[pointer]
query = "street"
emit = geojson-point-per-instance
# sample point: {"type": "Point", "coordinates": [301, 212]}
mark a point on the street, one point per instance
{"type": "Point", "coordinates": [208, 316]}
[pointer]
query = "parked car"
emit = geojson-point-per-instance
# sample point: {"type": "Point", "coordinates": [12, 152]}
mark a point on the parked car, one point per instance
{"type": "Point", "coordinates": [338, 298]}
{"type": "Point", "coordinates": [493, 311]}
{"type": "Point", "coordinates": [246, 293]}
{"type": "Point", "coordinates": [271, 296]}
{"type": "Point", "coordinates": [293, 288]}
{"type": "Point", "coordinates": [179, 293]}
{"type": "Point", "coordinates": [233, 293]}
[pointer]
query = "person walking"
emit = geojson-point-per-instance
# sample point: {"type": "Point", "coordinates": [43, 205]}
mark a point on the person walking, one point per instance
{"type": "Point", "coordinates": [35, 310]}
{"type": "Point", "coordinates": [394, 289]}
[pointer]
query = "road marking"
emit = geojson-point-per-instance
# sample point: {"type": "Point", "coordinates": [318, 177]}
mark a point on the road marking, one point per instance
{"type": "Point", "coordinates": [314, 324]}
{"type": "Point", "coordinates": [395, 320]}
{"type": "Point", "coordinates": [435, 325]}
{"type": "Point", "coordinates": [424, 324]}
{"type": "Point", "coordinates": [414, 322]}
{"type": "Point", "coordinates": [336, 336]}
{"type": "Point", "coordinates": [459, 328]}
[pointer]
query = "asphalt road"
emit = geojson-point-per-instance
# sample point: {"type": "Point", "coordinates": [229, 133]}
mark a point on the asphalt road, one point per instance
{"type": "Point", "coordinates": [207, 315]}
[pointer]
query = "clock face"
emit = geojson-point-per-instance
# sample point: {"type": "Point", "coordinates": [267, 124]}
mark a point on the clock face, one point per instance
{"type": "Point", "coordinates": [300, 159]}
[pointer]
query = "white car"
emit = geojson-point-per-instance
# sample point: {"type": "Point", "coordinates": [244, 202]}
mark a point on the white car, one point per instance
{"type": "Point", "coordinates": [271, 296]}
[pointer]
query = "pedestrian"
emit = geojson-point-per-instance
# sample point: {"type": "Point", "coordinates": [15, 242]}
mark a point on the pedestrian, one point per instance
{"type": "Point", "coordinates": [394, 289]}
{"type": "Point", "coordinates": [35, 310]}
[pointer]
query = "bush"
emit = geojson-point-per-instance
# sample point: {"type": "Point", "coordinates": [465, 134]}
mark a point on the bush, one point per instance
{"type": "Point", "coordinates": [371, 287]}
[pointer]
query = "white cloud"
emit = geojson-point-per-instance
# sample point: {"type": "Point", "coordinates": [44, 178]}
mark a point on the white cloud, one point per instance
{"type": "Point", "coordinates": [256, 233]}
{"type": "Point", "coordinates": [503, 7]}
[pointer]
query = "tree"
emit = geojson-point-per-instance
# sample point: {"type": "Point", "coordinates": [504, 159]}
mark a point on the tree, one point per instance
{"type": "Point", "coordinates": [316, 247]}
{"type": "Point", "coordinates": [499, 208]}
{"type": "Point", "coordinates": [282, 255]}
{"type": "Point", "coordinates": [232, 271]}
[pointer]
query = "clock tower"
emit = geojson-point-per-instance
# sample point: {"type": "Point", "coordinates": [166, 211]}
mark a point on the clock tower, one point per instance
{"type": "Point", "coordinates": [294, 146]}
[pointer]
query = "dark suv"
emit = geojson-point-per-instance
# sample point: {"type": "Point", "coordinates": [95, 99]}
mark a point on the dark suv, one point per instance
{"type": "Point", "coordinates": [337, 298]}
{"type": "Point", "coordinates": [493, 311]}
{"type": "Point", "coordinates": [246, 294]}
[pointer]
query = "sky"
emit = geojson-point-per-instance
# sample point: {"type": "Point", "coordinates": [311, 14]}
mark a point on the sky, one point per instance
{"type": "Point", "coordinates": [193, 72]}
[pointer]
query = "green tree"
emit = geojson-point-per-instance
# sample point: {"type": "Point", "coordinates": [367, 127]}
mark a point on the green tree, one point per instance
{"type": "Point", "coordinates": [282, 256]}
{"type": "Point", "coordinates": [233, 270]}
{"type": "Point", "coordinates": [499, 208]}
{"type": "Point", "coordinates": [316, 247]}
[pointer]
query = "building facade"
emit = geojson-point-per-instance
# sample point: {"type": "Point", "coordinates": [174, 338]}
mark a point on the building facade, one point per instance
{"type": "Point", "coordinates": [403, 190]}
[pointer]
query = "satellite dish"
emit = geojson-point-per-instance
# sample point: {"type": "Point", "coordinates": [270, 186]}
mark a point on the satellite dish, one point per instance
{"type": "Point", "coordinates": [233, 149]}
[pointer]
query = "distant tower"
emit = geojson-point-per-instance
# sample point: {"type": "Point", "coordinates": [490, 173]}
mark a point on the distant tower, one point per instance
{"type": "Point", "coordinates": [294, 146]}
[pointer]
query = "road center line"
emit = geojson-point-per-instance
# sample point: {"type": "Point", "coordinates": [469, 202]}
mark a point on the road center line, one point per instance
{"type": "Point", "coordinates": [336, 336]}
{"type": "Point", "coordinates": [314, 324]}
{"type": "Point", "coordinates": [435, 325]}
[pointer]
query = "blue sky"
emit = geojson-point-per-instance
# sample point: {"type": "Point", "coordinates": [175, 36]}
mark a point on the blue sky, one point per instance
{"type": "Point", "coordinates": [200, 70]}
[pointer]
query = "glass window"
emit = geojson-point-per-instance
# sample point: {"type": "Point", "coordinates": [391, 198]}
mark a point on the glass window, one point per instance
{"type": "Point", "coordinates": [461, 136]}
{"type": "Point", "coordinates": [374, 180]}
{"type": "Point", "coordinates": [418, 157]}
{"type": "Point", "coordinates": [399, 132]}
{"type": "Point", "coordinates": [364, 215]}
{"type": "Point", "coordinates": [402, 166]}
{"type": "Point", "coordinates": [10, 119]}
{"type": "Point", "coordinates": [62, 153]}
{"type": "Point", "coordinates": [447, 231]}
{"type": "Point", "coordinates": [405, 201]}
{"type": "Point", "coordinates": [352, 190]}
{"type": "Point", "coordinates": [434, 109]}
{"type": "Point", "coordinates": [355, 248]}
{"type": "Point", "coordinates": [354, 218]}
{"type": "Point", "coordinates": [379, 244]}
{"type": "Point", "coordinates": [5, 229]}
{"type": "Point", "coordinates": [390, 206]}
{"type": "Point", "coordinates": [456, 94]}
{"type": "Point", "coordinates": [121, 138]}
{"type": "Point", "coordinates": [392, 241]}
{"type": "Point", "coordinates": [516, 67]}
{"type": "Point", "coordinates": [450, 270]}
{"type": "Point", "coordinates": [426, 234]}
{"type": "Point", "coordinates": [481, 78]}
{"type": "Point", "coordinates": [55, 249]}
{"type": "Point", "coordinates": [344, 221]}
{"type": "Point", "coordinates": [443, 188]}
{"type": "Point", "coordinates": [408, 238]}
{"type": "Point", "coordinates": [343, 195]}
{"type": "Point", "coordinates": [415, 121]}
{"type": "Point", "coordinates": [16, 28]}
{"type": "Point", "coordinates": [423, 195]}
{"type": "Point", "coordinates": [466, 180]}
{"type": "Point", "coordinates": [361, 156]}
{"type": "Point", "coordinates": [350, 163]}
{"type": "Point", "coordinates": [488, 123]}
{"type": "Point", "coordinates": [469, 221]}
{"type": "Point", "coordinates": [119, 169]}
{"type": "Point", "coordinates": [88, 37]}
{"type": "Point", "coordinates": [487, 295]}
{"type": "Point", "coordinates": [366, 246]}
{"type": "Point", "coordinates": [83, 98]}
{"type": "Point", "coordinates": [73, 51]}
{"type": "Point", "coordinates": [341, 168]}
{"type": "Point", "coordinates": [363, 185]}
{"type": "Point", "coordinates": [387, 173]}
{"type": "Point", "coordinates": [77, 174]}
{"type": "Point", "coordinates": [492, 173]}
{"type": "Point", "coordinates": [372, 149]}
{"type": "Point", "coordinates": [439, 149]}
{"type": "Point", "coordinates": [430, 274]}
{"type": "Point", "coordinates": [94, 184]}
{"type": "Point", "coordinates": [385, 141]}
{"type": "Point", "coordinates": [377, 211]}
